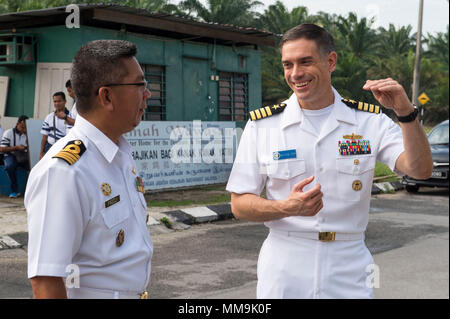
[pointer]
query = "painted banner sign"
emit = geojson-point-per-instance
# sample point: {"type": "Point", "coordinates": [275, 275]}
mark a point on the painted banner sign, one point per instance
{"type": "Point", "coordinates": [180, 154]}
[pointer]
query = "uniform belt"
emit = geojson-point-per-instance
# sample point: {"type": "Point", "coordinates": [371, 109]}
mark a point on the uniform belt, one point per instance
{"type": "Point", "coordinates": [322, 236]}
{"type": "Point", "coordinates": [93, 293]}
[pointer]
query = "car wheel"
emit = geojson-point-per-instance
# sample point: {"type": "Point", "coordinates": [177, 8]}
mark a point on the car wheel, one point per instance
{"type": "Point", "coordinates": [412, 188]}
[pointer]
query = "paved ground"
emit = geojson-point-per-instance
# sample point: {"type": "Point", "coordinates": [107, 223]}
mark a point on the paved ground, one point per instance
{"type": "Point", "coordinates": [408, 235]}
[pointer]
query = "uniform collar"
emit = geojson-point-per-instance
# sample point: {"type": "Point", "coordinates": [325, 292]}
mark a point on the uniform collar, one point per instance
{"type": "Point", "coordinates": [106, 147]}
{"type": "Point", "coordinates": [294, 114]}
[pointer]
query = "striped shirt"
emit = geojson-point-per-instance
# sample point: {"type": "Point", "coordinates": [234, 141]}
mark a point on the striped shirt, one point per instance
{"type": "Point", "coordinates": [54, 127]}
{"type": "Point", "coordinates": [12, 137]}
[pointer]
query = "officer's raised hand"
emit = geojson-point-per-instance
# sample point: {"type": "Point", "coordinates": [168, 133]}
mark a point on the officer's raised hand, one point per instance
{"type": "Point", "coordinates": [300, 203]}
{"type": "Point", "coordinates": [391, 95]}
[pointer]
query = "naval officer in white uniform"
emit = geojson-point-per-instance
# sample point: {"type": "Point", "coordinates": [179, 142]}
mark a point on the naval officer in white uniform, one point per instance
{"type": "Point", "coordinates": [86, 210]}
{"type": "Point", "coordinates": [315, 155]}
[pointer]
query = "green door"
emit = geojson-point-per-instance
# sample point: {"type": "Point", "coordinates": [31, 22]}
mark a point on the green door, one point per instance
{"type": "Point", "coordinates": [196, 99]}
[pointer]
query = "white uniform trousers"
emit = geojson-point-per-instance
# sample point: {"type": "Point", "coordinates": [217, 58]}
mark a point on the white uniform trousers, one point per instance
{"type": "Point", "coordinates": [299, 268]}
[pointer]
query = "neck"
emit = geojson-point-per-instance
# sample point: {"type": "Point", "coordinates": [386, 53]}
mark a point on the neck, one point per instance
{"type": "Point", "coordinates": [101, 122]}
{"type": "Point", "coordinates": [323, 101]}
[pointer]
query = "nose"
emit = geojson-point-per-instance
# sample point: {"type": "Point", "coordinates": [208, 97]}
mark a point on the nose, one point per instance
{"type": "Point", "coordinates": [147, 93]}
{"type": "Point", "coordinates": [297, 72]}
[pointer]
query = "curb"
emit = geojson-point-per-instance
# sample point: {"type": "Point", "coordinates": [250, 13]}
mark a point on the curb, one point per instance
{"type": "Point", "coordinates": [183, 218]}
{"type": "Point", "coordinates": [7, 242]}
{"type": "Point", "coordinates": [203, 214]}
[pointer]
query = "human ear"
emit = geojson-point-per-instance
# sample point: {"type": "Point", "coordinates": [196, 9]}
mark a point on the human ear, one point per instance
{"type": "Point", "coordinates": [105, 97]}
{"type": "Point", "coordinates": [332, 61]}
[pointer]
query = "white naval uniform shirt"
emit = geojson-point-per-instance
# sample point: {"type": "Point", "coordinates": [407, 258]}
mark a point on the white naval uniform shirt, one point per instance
{"type": "Point", "coordinates": [49, 129]}
{"type": "Point", "coordinates": [69, 224]}
{"type": "Point", "coordinates": [345, 210]}
{"type": "Point", "coordinates": [290, 267]}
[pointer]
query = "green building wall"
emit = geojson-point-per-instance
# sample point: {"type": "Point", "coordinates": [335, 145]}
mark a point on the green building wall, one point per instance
{"type": "Point", "coordinates": [59, 44]}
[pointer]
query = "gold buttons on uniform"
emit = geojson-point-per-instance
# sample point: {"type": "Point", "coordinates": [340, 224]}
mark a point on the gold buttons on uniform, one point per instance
{"type": "Point", "coordinates": [120, 238]}
{"type": "Point", "coordinates": [357, 185]}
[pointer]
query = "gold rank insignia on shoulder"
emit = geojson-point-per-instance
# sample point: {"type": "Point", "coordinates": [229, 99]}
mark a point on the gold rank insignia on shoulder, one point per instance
{"type": "Point", "coordinates": [71, 152]}
{"type": "Point", "coordinates": [267, 111]}
{"type": "Point", "coordinates": [361, 106]}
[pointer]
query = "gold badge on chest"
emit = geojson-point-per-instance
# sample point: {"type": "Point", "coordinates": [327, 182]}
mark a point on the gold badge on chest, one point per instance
{"type": "Point", "coordinates": [120, 238]}
{"type": "Point", "coordinates": [357, 185]}
{"type": "Point", "coordinates": [106, 189]}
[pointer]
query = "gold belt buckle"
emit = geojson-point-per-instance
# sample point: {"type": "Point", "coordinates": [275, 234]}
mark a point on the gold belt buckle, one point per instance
{"type": "Point", "coordinates": [327, 236]}
{"type": "Point", "coordinates": [144, 295]}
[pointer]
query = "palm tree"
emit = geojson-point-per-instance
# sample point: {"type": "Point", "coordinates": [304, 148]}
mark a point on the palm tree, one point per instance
{"type": "Point", "coordinates": [350, 76]}
{"type": "Point", "coordinates": [355, 35]}
{"type": "Point", "coordinates": [150, 5]}
{"type": "Point", "coordinates": [395, 42]}
{"type": "Point", "coordinates": [236, 12]}
{"type": "Point", "coordinates": [438, 47]}
{"type": "Point", "coordinates": [277, 18]}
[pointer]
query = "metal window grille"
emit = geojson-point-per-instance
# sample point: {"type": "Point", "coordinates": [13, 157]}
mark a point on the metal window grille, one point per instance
{"type": "Point", "coordinates": [233, 96]}
{"type": "Point", "coordinates": [156, 104]}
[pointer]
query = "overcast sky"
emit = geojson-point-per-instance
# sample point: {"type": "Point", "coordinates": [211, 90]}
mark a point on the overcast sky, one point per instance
{"type": "Point", "coordinates": [397, 12]}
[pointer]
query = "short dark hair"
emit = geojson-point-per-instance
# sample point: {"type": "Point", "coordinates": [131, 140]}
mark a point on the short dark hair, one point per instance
{"type": "Point", "coordinates": [98, 63]}
{"type": "Point", "coordinates": [60, 94]}
{"type": "Point", "coordinates": [322, 37]}
{"type": "Point", "coordinates": [22, 118]}
{"type": "Point", "coordinates": [68, 84]}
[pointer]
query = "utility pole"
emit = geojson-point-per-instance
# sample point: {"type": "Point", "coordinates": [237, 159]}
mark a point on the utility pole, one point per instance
{"type": "Point", "coordinates": [416, 80]}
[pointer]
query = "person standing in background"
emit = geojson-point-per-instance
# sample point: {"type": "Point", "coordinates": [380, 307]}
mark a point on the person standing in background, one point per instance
{"type": "Point", "coordinates": [55, 125]}
{"type": "Point", "coordinates": [73, 112]}
{"type": "Point", "coordinates": [14, 147]}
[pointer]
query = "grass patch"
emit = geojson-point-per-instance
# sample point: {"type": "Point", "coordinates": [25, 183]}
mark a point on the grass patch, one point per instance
{"type": "Point", "coordinates": [384, 170]}
{"type": "Point", "coordinates": [213, 199]}
{"type": "Point", "coordinates": [166, 222]}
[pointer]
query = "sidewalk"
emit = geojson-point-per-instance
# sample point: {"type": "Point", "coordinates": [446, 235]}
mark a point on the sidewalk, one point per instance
{"type": "Point", "coordinates": [13, 217]}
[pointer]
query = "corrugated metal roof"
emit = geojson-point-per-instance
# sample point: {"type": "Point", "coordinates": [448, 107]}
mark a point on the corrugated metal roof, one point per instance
{"type": "Point", "coordinates": [36, 17]}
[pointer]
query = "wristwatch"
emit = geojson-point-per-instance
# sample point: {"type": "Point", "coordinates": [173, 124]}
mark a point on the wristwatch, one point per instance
{"type": "Point", "coordinates": [410, 117]}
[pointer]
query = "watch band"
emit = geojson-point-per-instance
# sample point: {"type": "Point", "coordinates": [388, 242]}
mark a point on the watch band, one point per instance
{"type": "Point", "coordinates": [410, 117]}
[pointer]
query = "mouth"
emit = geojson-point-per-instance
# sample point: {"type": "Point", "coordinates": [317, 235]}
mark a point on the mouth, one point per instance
{"type": "Point", "coordinates": [301, 85]}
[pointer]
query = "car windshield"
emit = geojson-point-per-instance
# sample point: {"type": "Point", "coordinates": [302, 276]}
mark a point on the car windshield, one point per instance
{"type": "Point", "coordinates": [439, 135]}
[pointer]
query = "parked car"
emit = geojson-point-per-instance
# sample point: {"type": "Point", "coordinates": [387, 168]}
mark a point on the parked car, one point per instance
{"type": "Point", "coordinates": [438, 139]}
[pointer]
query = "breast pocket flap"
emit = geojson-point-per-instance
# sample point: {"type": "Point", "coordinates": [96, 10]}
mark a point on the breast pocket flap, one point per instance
{"type": "Point", "coordinates": [115, 214]}
{"type": "Point", "coordinates": [355, 165]}
{"type": "Point", "coordinates": [286, 170]}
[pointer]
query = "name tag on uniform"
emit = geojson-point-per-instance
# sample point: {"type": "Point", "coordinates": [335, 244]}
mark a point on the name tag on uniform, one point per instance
{"type": "Point", "coordinates": [281, 155]}
{"type": "Point", "coordinates": [112, 201]}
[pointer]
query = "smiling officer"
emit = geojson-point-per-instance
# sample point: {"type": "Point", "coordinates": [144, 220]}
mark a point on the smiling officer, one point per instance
{"type": "Point", "coordinates": [85, 208]}
{"type": "Point", "coordinates": [315, 155]}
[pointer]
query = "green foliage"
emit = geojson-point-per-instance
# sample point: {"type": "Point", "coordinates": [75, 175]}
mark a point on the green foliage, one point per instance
{"type": "Point", "coordinates": [363, 52]}
{"type": "Point", "coordinates": [237, 12]}
{"type": "Point", "coordinates": [24, 5]}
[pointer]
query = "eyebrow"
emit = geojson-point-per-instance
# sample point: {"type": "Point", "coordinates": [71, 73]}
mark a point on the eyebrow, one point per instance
{"type": "Point", "coordinates": [303, 59]}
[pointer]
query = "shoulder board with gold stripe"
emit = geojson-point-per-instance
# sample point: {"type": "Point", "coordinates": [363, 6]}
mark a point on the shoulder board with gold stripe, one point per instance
{"type": "Point", "coordinates": [71, 152]}
{"type": "Point", "coordinates": [361, 106]}
{"type": "Point", "coordinates": [267, 111]}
